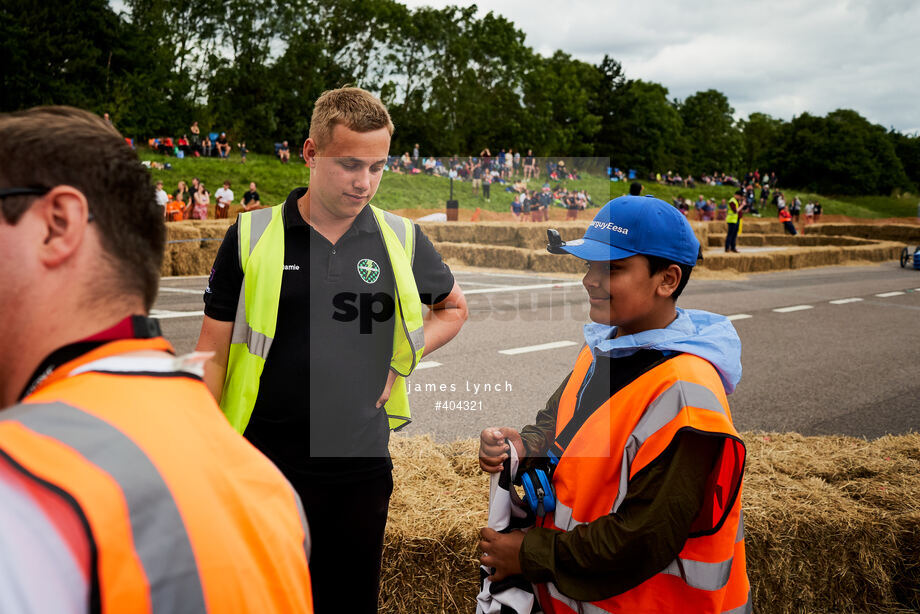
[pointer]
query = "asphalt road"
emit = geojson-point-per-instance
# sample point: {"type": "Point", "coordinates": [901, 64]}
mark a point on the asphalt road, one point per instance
{"type": "Point", "coordinates": [833, 350]}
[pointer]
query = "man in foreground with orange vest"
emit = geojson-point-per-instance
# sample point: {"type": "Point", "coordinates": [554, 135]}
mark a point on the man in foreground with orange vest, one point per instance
{"type": "Point", "coordinates": [314, 314]}
{"type": "Point", "coordinates": [122, 487]}
{"type": "Point", "coordinates": [636, 465]}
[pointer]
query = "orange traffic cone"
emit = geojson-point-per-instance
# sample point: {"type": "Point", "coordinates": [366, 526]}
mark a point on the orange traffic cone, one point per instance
{"type": "Point", "coordinates": [475, 217]}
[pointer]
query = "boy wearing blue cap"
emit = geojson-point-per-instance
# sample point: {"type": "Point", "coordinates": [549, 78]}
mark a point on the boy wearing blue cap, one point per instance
{"type": "Point", "coordinates": [633, 471]}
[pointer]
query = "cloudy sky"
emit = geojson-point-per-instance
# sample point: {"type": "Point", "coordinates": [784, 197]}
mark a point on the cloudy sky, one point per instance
{"type": "Point", "coordinates": [782, 57]}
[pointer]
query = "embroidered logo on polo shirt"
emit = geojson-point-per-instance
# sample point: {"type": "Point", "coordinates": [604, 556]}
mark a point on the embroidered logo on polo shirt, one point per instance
{"type": "Point", "coordinates": [368, 270]}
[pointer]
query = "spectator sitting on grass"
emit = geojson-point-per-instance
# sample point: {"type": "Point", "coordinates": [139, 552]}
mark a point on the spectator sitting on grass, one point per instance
{"type": "Point", "coordinates": [223, 147]}
{"type": "Point", "coordinates": [251, 198]}
{"type": "Point", "coordinates": [284, 153]}
{"type": "Point", "coordinates": [635, 189]}
{"type": "Point", "coordinates": [206, 146]}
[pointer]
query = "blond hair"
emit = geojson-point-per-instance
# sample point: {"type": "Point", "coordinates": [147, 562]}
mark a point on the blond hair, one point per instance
{"type": "Point", "coordinates": [356, 109]}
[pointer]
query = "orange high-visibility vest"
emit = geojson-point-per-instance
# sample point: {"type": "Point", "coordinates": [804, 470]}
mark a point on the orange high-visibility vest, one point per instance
{"type": "Point", "coordinates": [784, 215]}
{"type": "Point", "coordinates": [627, 433]}
{"type": "Point", "coordinates": [181, 513]}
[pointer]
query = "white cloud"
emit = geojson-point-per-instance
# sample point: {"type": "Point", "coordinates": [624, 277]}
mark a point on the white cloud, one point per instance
{"type": "Point", "coordinates": [783, 57]}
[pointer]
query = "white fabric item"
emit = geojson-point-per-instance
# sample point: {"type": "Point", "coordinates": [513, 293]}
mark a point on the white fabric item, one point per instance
{"type": "Point", "coordinates": [38, 573]}
{"type": "Point", "coordinates": [504, 505]}
{"type": "Point", "coordinates": [162, 197]}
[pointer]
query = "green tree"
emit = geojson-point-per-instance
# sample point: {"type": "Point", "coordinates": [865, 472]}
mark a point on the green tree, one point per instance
{"type": "Point", "coordinates": [646, 129]}
{"type": "Point", "coordinates": [558, 100]}
{"type": "Point", "coordinates": [759, 134]}
{"type": "Point", "coordinates": [907, 148]}
{"type": "Point", "coordinates": [842, 153]}
{"type": "Point", "coordinates": [56, 52]}
{"type": "Point", "coordinates": [604, 102]}
{"type": "Point", "coordinates": [713, 141]}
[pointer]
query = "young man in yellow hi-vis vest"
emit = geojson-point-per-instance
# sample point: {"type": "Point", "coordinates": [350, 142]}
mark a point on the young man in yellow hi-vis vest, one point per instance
{"type": "Point", "coordinates": [122, 487]}
{"type": "Point", "coordinates": [633, 471]}
{"type": "Point", "coordinates": [314, 312]}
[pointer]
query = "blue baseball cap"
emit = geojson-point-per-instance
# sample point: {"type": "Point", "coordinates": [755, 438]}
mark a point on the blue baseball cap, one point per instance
{"type": "Point", "coordinates": [631, 225]}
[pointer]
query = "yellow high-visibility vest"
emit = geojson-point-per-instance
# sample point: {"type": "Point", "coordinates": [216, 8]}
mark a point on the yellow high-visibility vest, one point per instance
{"type": "Point", "coordinates": [261, 243]}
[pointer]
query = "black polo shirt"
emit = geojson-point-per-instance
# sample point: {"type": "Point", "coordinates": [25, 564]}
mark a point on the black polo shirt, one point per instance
{"type": "Point", "coordinates": [315, 415]}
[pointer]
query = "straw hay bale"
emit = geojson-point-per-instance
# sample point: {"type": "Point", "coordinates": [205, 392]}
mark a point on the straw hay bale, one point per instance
{"type": "Point", "coordinates": [485, 255]}
{"type": "Point", "coordinates": [454, 232]}
{"type": "Point", "coordinates": [902, 233]}
{"type": "Point", "coordinates": [545, 262]}
{"type": "Point", "coordinates": [832, 524]}
{"type": "Point", "coordinates": [438, 505]}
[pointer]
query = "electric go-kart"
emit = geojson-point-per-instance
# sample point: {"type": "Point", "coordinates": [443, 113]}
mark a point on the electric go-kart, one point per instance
{"type": "Point", "coordinates": [911, 254]}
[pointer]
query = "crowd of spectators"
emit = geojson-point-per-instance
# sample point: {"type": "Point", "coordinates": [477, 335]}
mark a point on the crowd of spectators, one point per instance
{"type": "Point", "coordinates": [499, 168]}
{"type": "Point", "coordinates": [208, 145]}
{"type": "Point", "coordinates": [193, 203]}
{"type": "Point", "coordinates": [507, 171]}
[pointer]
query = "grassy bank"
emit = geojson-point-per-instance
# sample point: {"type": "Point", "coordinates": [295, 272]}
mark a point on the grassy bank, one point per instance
{"type": "Point", "coordinates": [275, 181]}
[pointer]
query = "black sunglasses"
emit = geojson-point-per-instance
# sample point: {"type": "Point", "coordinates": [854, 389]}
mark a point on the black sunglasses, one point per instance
{"type": "Point", "coordinates": [4, 192]}
{"type": "Point", "coordinates": [33, 191]}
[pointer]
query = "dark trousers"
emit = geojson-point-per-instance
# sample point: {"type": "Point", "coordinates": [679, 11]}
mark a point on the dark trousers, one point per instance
{"type": "Point", "coordinates": [731, 238]}
{"type": "Point", "coordinates": [346, 532]}
{"type": "Point", "coordinates": [790, 228]}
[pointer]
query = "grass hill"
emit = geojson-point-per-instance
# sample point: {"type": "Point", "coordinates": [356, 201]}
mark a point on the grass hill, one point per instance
{"type": "Point", "coordinates": [274, 182]}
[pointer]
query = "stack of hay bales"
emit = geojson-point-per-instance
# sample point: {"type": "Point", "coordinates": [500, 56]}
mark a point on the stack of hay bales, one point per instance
{"type": "Point", "coordinates": [832, 524]}
{"type": "Point", "coordinates": [903, 233]}
{"type": "Point", "coordinates": [191, 246]}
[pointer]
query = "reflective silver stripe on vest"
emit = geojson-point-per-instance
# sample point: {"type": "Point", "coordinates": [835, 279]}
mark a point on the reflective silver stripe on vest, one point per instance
{"type": "Point", "coordinates": [307, 542]}
{"type": "Point", "coordinates": [581, 607]}
{"type": "Point", "coordinates": [399, 227]}
{"type": "Point", "coordinates": [660, 412]}
{"type": "Point", "coordinates": [241, 328]}
{"type": "Point", "coordinates": [739, 536]}
{"type": "Point", "coordinates": [417, 338]}
{"type": "Point", "coordinates": [562, 517]}
{"type": "Point", "coordinates": [747, 608]}
{"type": "Point", "coordinates": [160, 537]}
{"type": "Point", "coordinates": [700, 574]}
{"type": "Point", "coordinates": [257, 343]}
{"type": "Point", "coordinates": [259, 221]}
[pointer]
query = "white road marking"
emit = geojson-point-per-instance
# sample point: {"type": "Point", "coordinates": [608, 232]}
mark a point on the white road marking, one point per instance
{"type": "Point", "coordinates": [536, 348]}
{"type": "Point", "coordinates": [793, 308]}
{"type": "Point", "coordinates": [186, 277]}
{"type": "Point", "coordinates": [427, 364]}
{"type": "Point", "coordinates": [887, 294]}
{"type": "Point", "coordinates": [520, 288]}
{"type": "Point", "coordinates": [844, 301]}
{"type": "Point", "coordinates": [514, 275]}
{"type": "Point", "coordinates": [740, 316]}
{"type": "Point", "coordinates": [481, 283]}
{"type": "Point", "coordinates": [162, 314]}
{"type": "Point", "coordinates": [182, 290]}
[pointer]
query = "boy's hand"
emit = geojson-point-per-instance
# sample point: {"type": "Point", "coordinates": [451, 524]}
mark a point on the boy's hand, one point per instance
{"type": "Point", "coordinates": [493, 447]}
{"type": "Point", "coordinates": [501, 551]}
